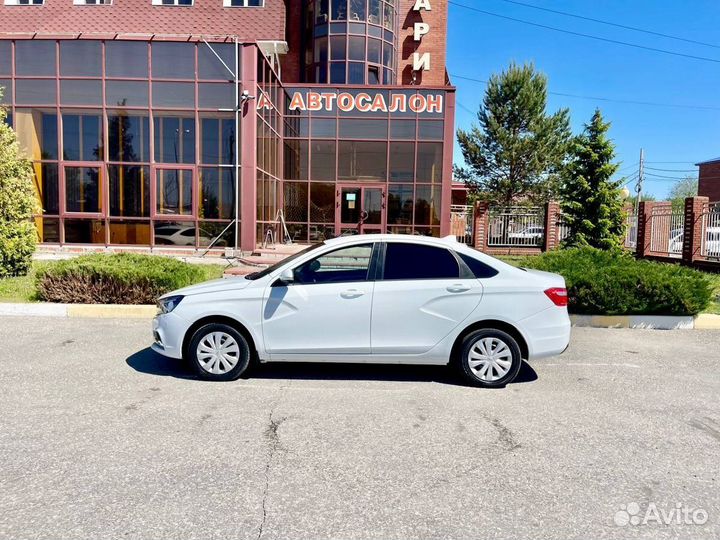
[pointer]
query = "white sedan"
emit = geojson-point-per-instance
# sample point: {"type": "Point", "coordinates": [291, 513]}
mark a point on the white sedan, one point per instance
{"type": "Point", "coordinates": [392, 299]}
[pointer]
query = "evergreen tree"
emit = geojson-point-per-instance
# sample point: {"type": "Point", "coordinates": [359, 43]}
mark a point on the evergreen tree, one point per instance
{"type": "Point", "coordinates": [516, 150]}
{"type": "Point", "coordinates": [17, 205]}
{"type": "Point", "coordinates": [592, 203]}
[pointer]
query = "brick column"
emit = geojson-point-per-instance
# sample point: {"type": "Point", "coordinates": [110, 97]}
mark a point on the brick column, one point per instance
{"type": "Point", "coordinates": [481, 222]}
{"type": "Point", "coordinates": [643, 228]}
{"type": "Point", "coordinates": [693, 228]}
{"type": "Point", "coordinates": [552, 218]}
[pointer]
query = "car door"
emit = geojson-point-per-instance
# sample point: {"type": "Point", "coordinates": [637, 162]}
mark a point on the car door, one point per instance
{"type": "Point", "coordinates": [423, 293]}
{"type": "Point", "coordinates": [325, 310]}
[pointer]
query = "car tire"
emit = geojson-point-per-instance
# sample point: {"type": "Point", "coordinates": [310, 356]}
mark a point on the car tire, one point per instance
{"type": "Point", "coordinates": [218, 352]}
{"type": "Point", "coordinates": [489, 358]}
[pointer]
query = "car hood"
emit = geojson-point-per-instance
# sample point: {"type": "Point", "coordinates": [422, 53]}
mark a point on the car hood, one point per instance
{"type": "Point", "coordinates": [547, 278]}
{"type": "Point", "coordinates": [216, 285]}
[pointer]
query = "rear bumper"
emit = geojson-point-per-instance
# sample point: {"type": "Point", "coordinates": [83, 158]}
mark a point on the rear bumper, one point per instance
{"type": "Point", "coordinates": [547, 332]}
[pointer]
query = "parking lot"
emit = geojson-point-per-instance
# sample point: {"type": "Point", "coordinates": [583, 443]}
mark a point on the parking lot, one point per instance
{"type": "Point", "coordinates": [102, 438]}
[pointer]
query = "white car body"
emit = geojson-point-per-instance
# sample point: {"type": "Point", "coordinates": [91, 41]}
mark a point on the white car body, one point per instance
{"type": "Point", "coordinates": [400, 321]}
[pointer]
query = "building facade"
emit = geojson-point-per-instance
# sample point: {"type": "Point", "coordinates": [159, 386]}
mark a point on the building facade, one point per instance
{"type": "Point", "coordinates": [709, 179]}
{"type": "Point", "coordinates": [219, 123]}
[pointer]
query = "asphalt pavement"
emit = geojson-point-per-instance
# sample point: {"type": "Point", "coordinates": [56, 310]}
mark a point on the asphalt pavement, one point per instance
{"type": "Point", "coordinates": [102, 438]}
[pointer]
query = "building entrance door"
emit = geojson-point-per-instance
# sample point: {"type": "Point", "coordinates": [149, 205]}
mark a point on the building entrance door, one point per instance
{"type": "Point", "coordinates": [360, 209]}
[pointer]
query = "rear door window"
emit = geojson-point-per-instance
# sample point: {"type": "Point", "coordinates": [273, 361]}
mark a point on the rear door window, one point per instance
{"type": "Point", "coordinates": [417, 261]}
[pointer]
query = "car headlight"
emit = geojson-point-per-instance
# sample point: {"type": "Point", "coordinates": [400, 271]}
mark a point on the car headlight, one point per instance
{"type": "Point", "coordinates": [166, 305]}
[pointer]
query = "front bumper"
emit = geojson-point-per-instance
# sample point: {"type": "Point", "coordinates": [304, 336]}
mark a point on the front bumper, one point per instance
{"type": "Point", "coordinates": [168, 333]}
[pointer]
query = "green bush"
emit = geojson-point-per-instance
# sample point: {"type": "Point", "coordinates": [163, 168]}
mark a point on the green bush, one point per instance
{"type": "Point", "coordinates": [615, 283]}
{"type": "Point", "coordinates": [124, 278]}
{"type": "Point", "coordinates": [17, 205]}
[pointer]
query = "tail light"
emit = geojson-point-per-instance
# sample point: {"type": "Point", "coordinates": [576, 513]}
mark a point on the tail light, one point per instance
{"type": "Point", "coordinates": [558, 295]}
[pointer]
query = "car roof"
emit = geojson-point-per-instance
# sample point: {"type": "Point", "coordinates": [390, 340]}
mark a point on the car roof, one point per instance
{"type": "Point", "coordinates": [447, 241]}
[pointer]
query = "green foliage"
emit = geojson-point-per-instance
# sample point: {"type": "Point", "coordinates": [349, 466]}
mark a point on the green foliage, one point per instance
{"type": "Point", "coordinates": [683, 188]}
{"type": "Point", "coordinates": [517, 149]}
{"type": "Point", "coordinates": [122, 278]}
{"type": "Point", "coordinates": [592, 203]}
{"type": "Point", "coordinates": [17, 205]}
{"type": "Point", "coordinates": [603, 282]}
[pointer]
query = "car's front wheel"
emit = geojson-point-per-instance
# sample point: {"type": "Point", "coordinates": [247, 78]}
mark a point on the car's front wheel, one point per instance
{"type": "Point", "coordinates": [489, 358]}
{"type": "Point", "coordinates": [218, 352]}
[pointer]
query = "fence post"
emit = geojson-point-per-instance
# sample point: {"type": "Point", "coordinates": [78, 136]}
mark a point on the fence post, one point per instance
{"type": "Point", "coordinates": [643, 228]}
{"type": "Point", "coordinates": [480, 225]}
{"type": "Point", "coordinates": [552, 219]}
{"type": "Point", "coordinates": [693, 228]}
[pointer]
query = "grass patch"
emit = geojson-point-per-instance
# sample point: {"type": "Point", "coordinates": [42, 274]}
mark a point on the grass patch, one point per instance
{"type": "Point", "coordinates": [714, 306]}
{"type": "Point", "coordinates": [23, 289]}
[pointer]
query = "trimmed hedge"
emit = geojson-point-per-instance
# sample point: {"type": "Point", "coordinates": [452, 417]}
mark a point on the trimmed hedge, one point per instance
{"type": "Point", "coordinates": [123, 278]}
{"type": "Point", "coordinates": [615, 283]}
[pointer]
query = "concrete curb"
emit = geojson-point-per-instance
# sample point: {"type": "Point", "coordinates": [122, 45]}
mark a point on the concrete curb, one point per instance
{"type": "Point", "coordinates": [652, 322]}
{"type": "Point", "coordinates": [79, 311]}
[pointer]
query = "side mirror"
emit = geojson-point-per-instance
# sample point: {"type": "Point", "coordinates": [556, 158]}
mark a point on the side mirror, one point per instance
{"type": "Point", "coordinates": [287, 275]}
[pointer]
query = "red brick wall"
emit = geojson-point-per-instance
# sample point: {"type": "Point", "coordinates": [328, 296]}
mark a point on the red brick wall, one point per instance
{"type": "Point", "coordinates": [292, 61]}
{"type": "Point", "coordinates": [434, 42]}
{"type": "Point", "coordinates": [709, 181]}
{"type": "Point", "coordinates": [206, 17]}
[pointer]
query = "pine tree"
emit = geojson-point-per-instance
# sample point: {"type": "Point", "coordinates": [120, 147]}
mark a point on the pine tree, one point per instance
{"type": "Point", "coordinates": [18, 203]}
{"type": "Point", "coordinates": [515, 151]}
{"type": "Point", "coordinates": [592, 204]}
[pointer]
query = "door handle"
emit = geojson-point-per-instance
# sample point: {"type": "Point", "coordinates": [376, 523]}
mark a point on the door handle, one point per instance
{"type": "Point", "coordinates": [352, 293]}
{"type": "Point", "coordinates": [457, 287]}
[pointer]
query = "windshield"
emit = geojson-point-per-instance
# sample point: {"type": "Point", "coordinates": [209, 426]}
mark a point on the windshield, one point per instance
{"type": "Point", "coordinates": [271, 269]}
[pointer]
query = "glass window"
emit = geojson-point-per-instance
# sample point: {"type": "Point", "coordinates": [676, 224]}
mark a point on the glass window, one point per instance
{"type": "Point", "coordinates": [337, 73]}
{"type": "Point", "coordinates": [339, 10]}
{"type": "Point", "coordinates": [358, 10]}
{"type": "Point", "coordinates": [130, 232]}
{"type": "Point", "coordinates": [374, 50]}
{"type": "Point", "coordinates": [174, 192]}
{"type": "Point", "coordinates": [210, 230]}
{"type": "Point", "coordinates": [342, 265]}
{"type": "Point", "coordinates": [430, 130]}
{"type": "Point", "coordinates": [46, 187]}
{"type": "Point", "coordinates": [400, 204]}
{"type": "Point", "coordinates": [416, 261]}
{"type": "Point", "coordinates": [174, 95]}
{"type": "Point", "coordinates": [363, 129]}
{"type": "Point", "coordinates": [84, 231]}
{"type": "Point", "coordinates": [35, 92]}
{"type": "Point", "coordinates": [74, 92]}
{"type": "Point", "coordinates": [174, 139]}
{"type": "Point", "coordinates": [129, 191]}
{"type": "Point", "coordinates": [128, 138]}
{"type": "Point", "coordinates": [338, 48]}
{"type": "Point", "coordinates": [82, 137]}
{"type": "Point", "coordinates": [373, 75]}
{"type": "Point", "coordinates": [402, 161]}
{"type": "Point", "coordinates": [5, 57]}
{"type": "Point", "coordinates": [217, 141]}
{"type": "Point", "coordinates": [296, 201]}
{"type": "Point", "coordinates": [168, 233]}
{"type": "Point", "coordinates": [323, 160]}
{"type": "Point", "coordinates": [209, 67]}
{"type": "Point", "coordinates": [389, 17]}
{"type": "Point", "coordinates": [217, 193]}
{"type": "Point", "coordinates": [126, 59]}
{"type": "Point", "coordinates": [429, 162]}
{"type": "Point", "coordinates": [321, 50]}
{"type": "Point", "coordinates": [479, 269]}
{"type": "Point", "coordinates": [388, 53]}
{"type": "Point", "coordinates": [37, 133]}
{"type": "Point", "coordinates": [216, 96]}
{"type": "Point", "coordinates": [126, 93]}
{"type": "Point", "coordinates": [80, 58]}
{"type": "Point", "coordinates": [402, 129]}
{"type": "Point", "coordinates": [427, 205]}
{"type": "Point", "coordinates": [322, 203]}
{"type": "Point", "coordinates": [296, 160]}
{"type": "Point", "coordinates": [356, 73]}
{"type": "Point", "coordinates": [35, 58]}
{"type": "Point", "coordinates": [362, 160]}
{"type": "Point", "coordinates": [82, 190]}
{"type": "Point", "coordinates": [357, 48]}
{"type": "Point", "coordinates": [6, 95]}
{"type": "Point", "coordinates": [324, 127]}
{"type": "Point", "coordinates": [48, 230]}
{"type": "Point", "coordinates": [374, 11]}
{"type": "Point", "coordinates": [173, 60]}
{"type": "Point", "coordinates": [321, 11]}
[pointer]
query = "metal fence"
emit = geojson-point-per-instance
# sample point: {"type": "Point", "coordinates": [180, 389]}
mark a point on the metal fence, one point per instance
{"type": "Point", "coordinates": [666, 231]}
{"type": "Point", "coordinates": [711, 231]}
{"type": "Point", "coordinates": [563, 230]}
{"type": "Point", "coordinates": [516, 226]}
{"type": "Point", "coordinates": [631, 231]}
{"type": "Point", "coordinates": [461, 223]}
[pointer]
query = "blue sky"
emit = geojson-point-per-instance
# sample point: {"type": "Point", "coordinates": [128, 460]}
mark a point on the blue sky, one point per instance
{"type": "Point", "coordinates": [479, 45]}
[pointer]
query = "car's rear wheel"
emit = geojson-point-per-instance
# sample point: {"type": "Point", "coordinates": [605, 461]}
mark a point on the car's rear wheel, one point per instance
{"type": "Point", "coordinates": [489, 358]}
{"type": "Point", "coordinates": [218, 352]}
